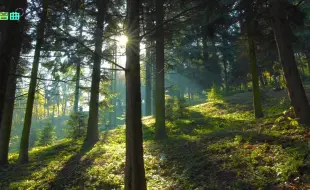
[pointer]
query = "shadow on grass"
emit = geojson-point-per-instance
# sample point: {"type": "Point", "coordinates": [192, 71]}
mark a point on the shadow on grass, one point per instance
{"type": "Point", "coordinates": [38, 160]}
{"type": "Point", "coordinates": [188, 161]}
{"type": "Point", "coordinates": [45, 163]}
{"type": "Point", "coordinates": [148, 132]}
{"type": "Point", "coordinates": [74, 171]}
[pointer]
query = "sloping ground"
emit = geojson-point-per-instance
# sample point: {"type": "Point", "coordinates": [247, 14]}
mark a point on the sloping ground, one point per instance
{"type": "Point", "coordinates": [215, 145]}
{"type": "Point", "coordinates": [246, 97]}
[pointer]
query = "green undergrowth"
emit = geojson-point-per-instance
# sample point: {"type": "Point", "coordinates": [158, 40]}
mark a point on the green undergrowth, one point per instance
{"type": "Point", "coordinates": [215, 145]}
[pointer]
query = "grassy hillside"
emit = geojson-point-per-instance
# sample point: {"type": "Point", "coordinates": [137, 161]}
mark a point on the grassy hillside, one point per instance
{"type": "Point", "coordinates": [215, 145]}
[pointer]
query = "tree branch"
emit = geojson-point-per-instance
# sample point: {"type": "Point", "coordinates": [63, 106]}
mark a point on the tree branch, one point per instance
{"type": "Point", "coordinates": [169, 20]}
{"type": "Point", "coordinates": [82, 44]}
{"type": "Point", "coordinates": [38, 78]}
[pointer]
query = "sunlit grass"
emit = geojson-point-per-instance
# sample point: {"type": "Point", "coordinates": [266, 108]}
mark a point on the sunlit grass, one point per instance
{"type": "Point", "coordinates": [213, 145]}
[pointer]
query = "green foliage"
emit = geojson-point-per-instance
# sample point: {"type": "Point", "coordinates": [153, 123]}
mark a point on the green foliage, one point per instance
{"type": "Point", "coordinates": [181, 106]}
{"type": "Point", "coordinates": [214, 93]}
{"type": "Point", "coordinates": [175, 108]}
{"type": "Point", "coordinates": [216, 145]}
{"type": "Point", "coordinates": [78, 125]}
{"type": "Point", "coordinates": [47, 135]}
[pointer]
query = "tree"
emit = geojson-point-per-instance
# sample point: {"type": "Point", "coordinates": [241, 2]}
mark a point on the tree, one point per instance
{"type": "Point", "coordinates": [78, 64]}
{"type": "Point", "coordinates": [47, 135]}
{"type": "Point", "coordinates": [134, 167]}
{"type": "Point", "coordinates": [24, 143]}
{"type": "Point", "coordinates": [78, 125]}
{"type": "Point", "coordinates": [148, 66]}
{"type": "Point", "coordinates": [255, 83]}
{"type": "Point", "coordinates": [92, 127]}
{"type": "Point", "coordinates": [17, 29]}
{"type": "Point", "coordinates": [160, 128]}
{"type": "Point", "coordinates": [283, 35]}
{"type": "Point", "coordinates": [8, 42]}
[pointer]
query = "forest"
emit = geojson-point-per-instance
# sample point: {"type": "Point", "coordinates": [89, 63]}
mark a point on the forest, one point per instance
{"type": "Point", "coordinates": [155, 94]}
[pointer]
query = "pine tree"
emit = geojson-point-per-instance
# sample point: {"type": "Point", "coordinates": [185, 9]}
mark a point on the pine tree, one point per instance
{"type": "Point", "coordinates": [283, 35]}
{"type": "Point", "coordinates": [134, 168]}
{"type": "Point", "coordinates": [160, 128]}
{"type": "Point", "coordinates": [24, 143]}
{"type": "Point", "coordinates": [17, 31]}
{"type": "Point", "coordinates": [92, 128]}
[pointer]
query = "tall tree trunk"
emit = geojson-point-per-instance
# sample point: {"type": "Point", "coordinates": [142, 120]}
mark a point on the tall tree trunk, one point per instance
{"type": "Point", "coordinates": [255, 81]}
{"type": "Point", "coordinates": [58, 107]}
{"type": "Point", "coordinates": [64, 100]}
{"type": "Point", "coordinates": [114, 89]}
{"type": "Point", "coordinates": [3, 76]}
{"type": "Point", "coordinates": [53, 115]}
{"type": "Point", "coordinates": [7, 44]}
{"type": "Point", "coordinates": [283, 36]}
{"type": "Point", "coordinates": [134, 168]}
{"type": "Point", "coordinates": [24, 143]}
{"type": "Point", "coordinates": [4, 59]}
{"type": "Point", "coordinates": [205, 52]}
{"type": "Point", "coordinates": [92, 127]}
{"type": "Point", "coordinates": [160, 128]}
{"type": "Point", "coordinates": [78, 65]}
{"type": "Point", "coordinates": [148, 65]}
{"type": "Point", "coordinates": [153, 60]}
{"type": "Point", "coordinates": [112, 113]}
{"type": "Point", "coordinates": [111, 100]}
{"type": "Point", "coordinates": [6, 122]}
{"type": "Point", "coordinates": [148, 83]}
{"type": "Point", "coordinates": [77, 87]}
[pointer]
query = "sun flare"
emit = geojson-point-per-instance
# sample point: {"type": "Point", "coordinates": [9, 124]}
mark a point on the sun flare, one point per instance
{"type": "Point", "coordinates": [122, 40]}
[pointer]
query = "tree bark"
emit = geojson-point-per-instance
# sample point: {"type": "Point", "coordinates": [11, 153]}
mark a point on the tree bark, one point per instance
{"type": "Point", "coordinates": [4, 60]}
{"type": "Point", "coordinates": [78, 65]}
{"type": "Point", "coordinates": [160, 128]}
{"type": "Point", "coordinates": [153, 60]}
{"type": "Point", "coordinates": [112, 113]}
{"type": "Point", "coordinates": [283, 36]}
{"type": "Point", "coordinates": [6, 123]}
{"type": "Point", "coordinates": [205, 51]}
{"type": "Point", "coordinates": [114, 89]}
{"type": "Point", "coordinates": [24, 143]}
{"type": "Point", "coordinates": [134, 168]}
{"type": "Point", "coordinates": [148, 83]}
{"type": "Point", "coordinates": [77, 87]}
{"type": "Point", "coordinates": [64, 100]}
{"type": "Point", "coordinates": [7, 44]}
{"type": "Point", "coordinates": [148, 66]}
{"type": "Point", "coordinates": [92, 127]}
{"type": "Point", "coordinates": [255, 81]}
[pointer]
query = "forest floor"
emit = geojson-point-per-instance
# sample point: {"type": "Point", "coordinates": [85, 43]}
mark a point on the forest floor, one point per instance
{"type": "Point", "coordinates": [215, 145]}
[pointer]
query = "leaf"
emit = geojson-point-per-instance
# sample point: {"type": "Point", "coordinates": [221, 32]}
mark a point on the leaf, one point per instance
{"type": "Point", "coordinates": [294, 123]}
{"type": "Point", "coordinates": [279, 119]}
